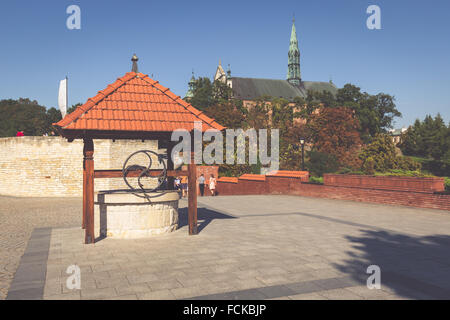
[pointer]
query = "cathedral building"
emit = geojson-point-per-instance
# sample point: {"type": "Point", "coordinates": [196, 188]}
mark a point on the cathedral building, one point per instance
{"type": "Point", "coordinates": [249, 89]}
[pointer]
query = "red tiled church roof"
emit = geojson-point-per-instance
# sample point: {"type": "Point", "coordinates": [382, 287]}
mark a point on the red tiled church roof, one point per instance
{"type": "Point", "coordinates": [136, 103]}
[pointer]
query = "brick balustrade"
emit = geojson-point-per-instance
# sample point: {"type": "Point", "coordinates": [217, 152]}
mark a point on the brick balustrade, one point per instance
{"type": "Point", "coordinates": [426, 184]}
{"type": "Point", "coordinates": [407, 191]}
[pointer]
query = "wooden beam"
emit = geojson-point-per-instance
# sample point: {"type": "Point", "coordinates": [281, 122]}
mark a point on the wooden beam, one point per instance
{"type": "Point", "coordinates": [72, 134]}
{"type": "Point", "coordinates": [83, 225]}
{"type": "Point", "coordinates": [192, 197]}
{"type": "Point", "coordinates": [117, 173]}
{"type": "Point", "coordinates": [88, 190]}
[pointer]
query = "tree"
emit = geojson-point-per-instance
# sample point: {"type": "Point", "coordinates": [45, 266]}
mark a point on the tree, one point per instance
{"type": "Point", "coordinates": [428, 138]}
{"type": "Point", "coordinates": [73, 107]}
{"type": "Point", "coordinates": [319, 163]}
{"type": "Point", "coordinates": [380, 156]}
{"type": "Point", "coordinates": [22, 115]}
{"type": "Point", "coordinates": [374, 112]}
{"type": "Point", "coordinates": [53, 115]}
{"type": "Point", "coordinates": [258, 115]}
{"type": "Point", "coordinates": [335, 131]}
{"type": "Point", "coordinates": [227, 114]}
{"type": "Point", "coordinates": [207, 93]}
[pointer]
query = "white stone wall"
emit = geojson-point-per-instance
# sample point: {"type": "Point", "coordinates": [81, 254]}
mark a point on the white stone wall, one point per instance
{"type": "Point", "coordinates": [51, 166]}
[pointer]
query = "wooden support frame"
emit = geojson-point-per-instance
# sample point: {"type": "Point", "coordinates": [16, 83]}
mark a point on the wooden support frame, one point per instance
{"type": "Point", "coordinates": [88, 190]}
{"type": "Point", "coordinates": [192, 196]}
{"type": "Point", "coordinates": [89, 175]}
{"type": "Point", "coordinates": [83, 224]}
{"type": "Point", "coordinates": [117, 173]}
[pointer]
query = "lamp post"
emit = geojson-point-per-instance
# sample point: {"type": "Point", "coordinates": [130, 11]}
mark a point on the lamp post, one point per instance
{"type": "Point", "coordinates": [302, 143]}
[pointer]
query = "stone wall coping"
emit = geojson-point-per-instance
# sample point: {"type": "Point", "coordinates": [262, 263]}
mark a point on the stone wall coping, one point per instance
{"type": "Point", "coordinates": [104, 197]}
{"type": "Point", "coordinates": [361, 176]}
{"type": "Point", "coordinates": [228, 180]}
{"type": "Point", "coordinates": [255, 177]}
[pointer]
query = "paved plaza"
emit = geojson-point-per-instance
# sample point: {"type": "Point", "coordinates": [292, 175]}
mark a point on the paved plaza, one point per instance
{"type": "Point", "coordinates": [19, 217]}
{"type": "Point", "coordinates": [248, 247]}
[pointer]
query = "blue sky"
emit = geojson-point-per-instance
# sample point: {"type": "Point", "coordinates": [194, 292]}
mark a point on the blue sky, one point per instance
{"type": "Point", "coordinates": [409, 58]}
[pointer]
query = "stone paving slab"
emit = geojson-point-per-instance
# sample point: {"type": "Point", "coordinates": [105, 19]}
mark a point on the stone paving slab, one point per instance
{"type": "Point", "coordinates": [264, 247]}
{"type": "Point", "coordinates": [19, 217]}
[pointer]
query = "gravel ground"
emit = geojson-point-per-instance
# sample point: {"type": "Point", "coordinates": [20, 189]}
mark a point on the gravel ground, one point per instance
{"type": "Point", "coordinates": [18, 218]}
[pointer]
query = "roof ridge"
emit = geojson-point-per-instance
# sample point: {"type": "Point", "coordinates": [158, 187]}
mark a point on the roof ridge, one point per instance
{"type": "Point", "coordinates": [122, 99]}
{"type": "Point", "coordinates": [91, 102]}
{"type": "Point", "coordinates": [198, 113]}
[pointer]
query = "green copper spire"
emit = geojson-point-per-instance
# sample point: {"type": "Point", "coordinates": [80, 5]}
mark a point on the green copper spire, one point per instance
{"type": "Point", "coordinates": [293, 75]}
{"type": "Point", "coordinates": [190, 92]}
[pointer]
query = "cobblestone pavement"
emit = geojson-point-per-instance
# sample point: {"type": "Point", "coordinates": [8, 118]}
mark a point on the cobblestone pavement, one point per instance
{"type": "Point", "coordinates": [18, 218]}
{"type": "Point", "coordinates": [263, 247]}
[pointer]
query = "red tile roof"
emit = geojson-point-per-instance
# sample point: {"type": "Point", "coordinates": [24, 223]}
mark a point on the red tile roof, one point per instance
{"type": "Point", "coordinates": [136, 103]}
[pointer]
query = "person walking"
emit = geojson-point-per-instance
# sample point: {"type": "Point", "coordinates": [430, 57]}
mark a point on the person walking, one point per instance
{"type": "Point", "coordinates": [177, 183]}
{"type": "Point", "coordinates": [184, 186]}
{"type": "Point", "coordinates": [212, 185]}
{"type": "Point", "coordinates": [201, 184]}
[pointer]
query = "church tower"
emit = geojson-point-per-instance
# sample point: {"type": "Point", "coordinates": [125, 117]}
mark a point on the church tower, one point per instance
{"type": "Point", "coordinates": [293, 75]}
{"type": "Point", "coordinates": [190, 92]}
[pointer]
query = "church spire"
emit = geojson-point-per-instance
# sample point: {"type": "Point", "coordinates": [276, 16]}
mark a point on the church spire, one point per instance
{"type": "Point", "coordinates": [293, 75]}
{"type": "Point", "coordinates": [191, 84]}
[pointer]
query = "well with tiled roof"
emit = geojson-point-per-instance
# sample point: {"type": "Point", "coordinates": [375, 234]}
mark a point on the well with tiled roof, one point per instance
{"type": "Point", "coordinates": [133, 107]}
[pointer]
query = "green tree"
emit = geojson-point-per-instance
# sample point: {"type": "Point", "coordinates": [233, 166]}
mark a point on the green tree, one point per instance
{"type": "Point", "coordinates": [207, 93]}
{"type": "Point", "coordinates": [375, 113]}
{"type": "Point", "coordinates": [22, 115]}
{"type": "Point", "coordinates": [53, 115]}
{"type": "Point", "coordinates": [320, 162]}
{"type": "Point", "coordinates": [380, 155]}
{"type": "Point", "coordinates": [73, 107]}
{"type": "Point", "coordinates": [429, 138]}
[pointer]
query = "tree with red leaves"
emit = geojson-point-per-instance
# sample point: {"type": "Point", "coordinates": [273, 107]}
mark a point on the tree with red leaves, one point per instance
{"type": "Point", "coordinates": [335, 131]}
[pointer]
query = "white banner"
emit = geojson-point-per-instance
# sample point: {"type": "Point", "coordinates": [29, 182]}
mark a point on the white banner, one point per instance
{"type": "Point", "coordinates": [62, 97]}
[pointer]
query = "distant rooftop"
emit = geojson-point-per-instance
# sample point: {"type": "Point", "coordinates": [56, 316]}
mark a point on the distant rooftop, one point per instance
{"type": "Point", "coordinates": [253, 88]}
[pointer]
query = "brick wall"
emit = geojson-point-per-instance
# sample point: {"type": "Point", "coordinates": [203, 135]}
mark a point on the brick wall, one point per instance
{"type": "Point", "coordinates": [295, 186]}
{"type": "Point", "coordinates": [426, 184]}
{"type": "Point", "coordinates": [51, 166]}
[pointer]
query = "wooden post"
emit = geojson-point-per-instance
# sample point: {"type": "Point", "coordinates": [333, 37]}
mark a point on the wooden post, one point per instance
{"type": "Point", "coordinates": [83, 224]}
{"type": "Point", "coordinates": [88, 190]}
{"type": "Point", "coordinates": [192, 196]}
{"type": "Point", "coordinates": [170, 166]}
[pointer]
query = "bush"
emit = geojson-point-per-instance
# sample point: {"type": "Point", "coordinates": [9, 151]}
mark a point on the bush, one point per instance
{"type": "Point", "coordinates": [438, 168]}
{"type": "Point", "coordinates": [403, 173]}
{"type": "Point", "coordinates": [316, 180]}
{"type": "Point", "coordinates": [344, 170]}
{"type": "Point", "coordinates": [320, 163]}
{"type": "Point", "coordinates": [369, 166]}
{"type": "Point", "coordinates": [351, 172]}
{"type": "Point", "coordinates": [408, 164]}
{"type": "Point", "coordinates": [380, 155]}
{"type": "Point", "coordinates": [447, 183]}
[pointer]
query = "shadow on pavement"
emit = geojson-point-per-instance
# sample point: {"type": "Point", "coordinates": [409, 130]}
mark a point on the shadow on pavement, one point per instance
{"type": "Point", "coordinates": [204, 217]}
{"type": "Point", "coordinates": [411, 267]}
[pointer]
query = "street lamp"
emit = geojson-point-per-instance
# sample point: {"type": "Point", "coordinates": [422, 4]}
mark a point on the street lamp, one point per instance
{"type": "Point", "coordinates": [302, 143]}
